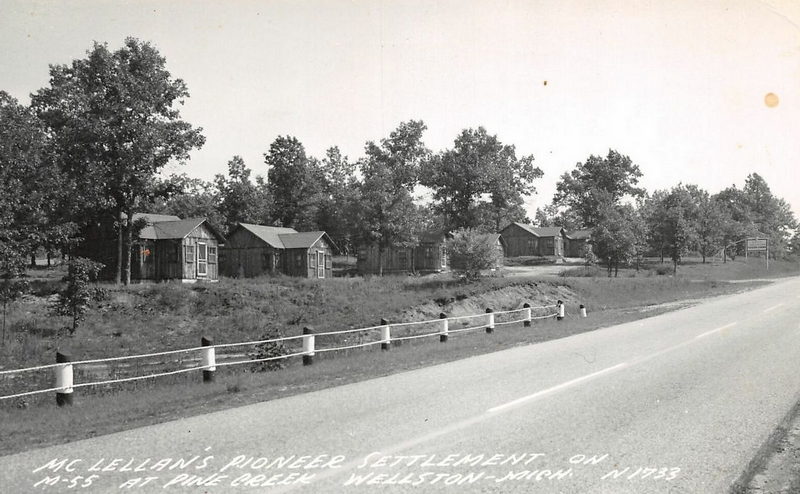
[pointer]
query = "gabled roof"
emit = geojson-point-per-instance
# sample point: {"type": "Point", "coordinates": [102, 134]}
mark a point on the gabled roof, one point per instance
{"type": "Point", "coordinates": [153, 218]}
{"type": "Point", "coordinates": [540, 231]}
{"type": "Point", "coordinates": [163, 230]}
{"type": "Point", "coordinates": [302, 240]}
{"type": "Point", "coordinates": [279, 237]}
{"type": "Point", "coordinates": [579, 234]}
{"type": "Point", "coordinates": [269, 234]}
{"type": "Point", "coordinates": [491, 238]}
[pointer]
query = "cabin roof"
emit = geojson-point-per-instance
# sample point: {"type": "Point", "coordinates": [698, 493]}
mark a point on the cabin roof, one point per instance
{"type": "Point", "coordinates": [579, 234]}
{"type": "Point", "coordinates": [269, 234]}
{"type": "Point", "coordinates": [279, 237]}
{"type": "Point", "coordinates": [302, 240]}
{"type": "Point", "coordinates": [540, 231]}
{"type": "Point", "coordinates": [153, 218]}
{"type": "Point", "coordinates": [178, 229]}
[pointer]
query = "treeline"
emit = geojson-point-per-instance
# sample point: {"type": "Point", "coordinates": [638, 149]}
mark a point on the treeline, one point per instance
{"type": "Point", "coordinates": [90, 149]}
{"type": "Point", "coordinates": [628, 224]}
{"type": "Point", "coordinates": [87, 153]}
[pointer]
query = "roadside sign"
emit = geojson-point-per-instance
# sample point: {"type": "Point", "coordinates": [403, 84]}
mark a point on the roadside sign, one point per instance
{"type": "Point", "coordinates": [757, 244]}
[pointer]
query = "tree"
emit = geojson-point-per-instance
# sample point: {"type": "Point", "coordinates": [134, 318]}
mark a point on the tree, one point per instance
{"type": "Point", "coordinates": [550, 215]}
{"type": "Point", "coordinates": [74, 299]}
{"type": "Point", "coordinates": [239, 200]}
{"type": "Point", "coordinates": [613, 236]}
{"type": "Point", "coordinates": [291, 180]}
{"type": "Point", "coordinates": [471, 252]}
{"type": "Point", "coordinates": [34, 196]}
{"type": "Point", "coordinates": [677, 222]}
{"type": "Point", "coordinates": [390, 172]}
{"type": "Point", "coordinates": [338, 207]}
{"type": "Point", "coordinates": [12, 284]}
{"type": "Point", "coordinates": [712, 221]}
{"type": "Point", "coordinates": [479, 167]}
{"type": "Point", "coordinates": [189, 198]}
{"type": "Point", "coordinates": [114, 123]}
{"type": "Point", "coordinates": [597, 180]}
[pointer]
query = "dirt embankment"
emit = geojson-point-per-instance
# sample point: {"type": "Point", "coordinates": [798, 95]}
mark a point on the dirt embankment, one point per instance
{"type": "Point", "coordinates": [506, 298]}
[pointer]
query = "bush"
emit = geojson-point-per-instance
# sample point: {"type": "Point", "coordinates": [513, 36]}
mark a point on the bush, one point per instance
{"type": "Point", "coordinates": [268, 350]}
{"type": "Point", "coordinates": [472, 252]}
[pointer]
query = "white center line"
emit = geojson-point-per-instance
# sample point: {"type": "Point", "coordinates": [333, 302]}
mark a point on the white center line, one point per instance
{"type": "Point", "coordinates": [768, 309]}
{"type": "Point", "coordinates": [556, 388]}
{"type": "Point", "coordinates": [715, 330]}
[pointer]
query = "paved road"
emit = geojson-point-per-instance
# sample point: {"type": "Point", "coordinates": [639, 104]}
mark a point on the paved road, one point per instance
{"type": "Point", "coordinates": [675, 403]}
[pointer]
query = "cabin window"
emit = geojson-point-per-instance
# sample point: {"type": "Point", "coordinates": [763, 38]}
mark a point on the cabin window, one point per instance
{"type": "Point", "coordinates": [312, 260]}
{"type": "Point", "coordinates": [189, 255]}
{"type": "Point", "coordinates": [444, 257]}
{"type": "Point", "coordinates": [298, 260]}
{"type": "Point", "coordinates": [320, 264]}
{"type": "Point", "coordinates": [212, 255]}
{"type": "Point", "coordinates": [174, 253]}
{"type": "Point", "coordinates": [428, 253]}
{"type": "Point", "coordinates": [202, 259]}
{"type": "Point", "coordinates": [362, 253]}
{"type": "Point", "coordinates": [328, 261]}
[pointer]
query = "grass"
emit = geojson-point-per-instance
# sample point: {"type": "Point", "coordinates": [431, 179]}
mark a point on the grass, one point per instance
{"type": "Point", "coordinates": [145, 318]}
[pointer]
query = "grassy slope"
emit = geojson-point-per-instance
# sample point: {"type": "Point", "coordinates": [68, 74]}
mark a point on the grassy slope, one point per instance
{"type": "Point", "coordinates": [147, 318]}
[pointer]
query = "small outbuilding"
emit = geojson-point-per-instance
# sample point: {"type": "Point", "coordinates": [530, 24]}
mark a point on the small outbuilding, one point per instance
{"type": "Point", "coordinates": [253, 250]}
{"type": "Point", "coordinates": [428, 256]}
{"type": "Point", "coordinates": [577, 240]}
{"type": "Point", "coordinates": [528, 240]}
{"type": "Point", "coordinates": [169, 248]}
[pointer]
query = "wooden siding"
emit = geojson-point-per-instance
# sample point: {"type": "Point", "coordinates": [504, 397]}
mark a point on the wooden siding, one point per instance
{"type": "Point", "coordinates": [520, 242]}
{"type": "Point", "coordinates": [167, 259]}
{"type": "Point", "coordinates": [246, 255]}
{"type": "Point", "coordinates": [427, 257]}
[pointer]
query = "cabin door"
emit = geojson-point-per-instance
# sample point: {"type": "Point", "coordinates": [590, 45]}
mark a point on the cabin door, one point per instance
{"type": "Point", "coordinates": [202, 259]}
{"type": "Point", "coordinates": [320, 264]}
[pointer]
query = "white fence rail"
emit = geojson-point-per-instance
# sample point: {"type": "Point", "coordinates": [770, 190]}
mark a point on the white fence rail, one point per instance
{"type": "Point", "coordinates": [442, 327]}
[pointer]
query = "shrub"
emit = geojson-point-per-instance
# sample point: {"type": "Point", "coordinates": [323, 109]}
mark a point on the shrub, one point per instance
{"type": "Point", "coordinates": [471, 252]}
{"type": "Point", "coordinates": [268, 350]}
{"type": "Point", "coordinates": [74, 300]}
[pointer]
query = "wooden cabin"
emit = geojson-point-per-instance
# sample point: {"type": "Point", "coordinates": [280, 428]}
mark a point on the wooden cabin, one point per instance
{"type": "Point", "coordinates": [577, 240]}
{"type": "Point", "coordinates": [254, 250]}
{"type": "Point", "coordinates": [168, 248]}
{"type": "Point", "coordinates": [428, 256]}
{"type": "Point", "coordinates": [528, 240]}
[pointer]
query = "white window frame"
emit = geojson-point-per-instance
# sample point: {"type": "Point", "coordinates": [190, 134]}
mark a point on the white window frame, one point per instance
{"type": "Point", "coordinates": [202, 258]}
{"type": "Point", "coordinates": [320, 264]}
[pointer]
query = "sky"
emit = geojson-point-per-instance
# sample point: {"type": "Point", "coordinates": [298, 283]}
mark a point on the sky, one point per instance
{"type": "Point", "coordinates": [679, 86]}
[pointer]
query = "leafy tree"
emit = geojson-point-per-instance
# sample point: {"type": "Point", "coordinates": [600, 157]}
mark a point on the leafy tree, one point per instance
{"type": "Point", "coordinates": [290, 180]}
{"type": "Point", "coordinates": [239, 199]}
{"type": "Point", "coordinates": [677, 222]}
{"type": "Point", "coordinates": [613, 236]}
{"type": "Point", "coordinates": [471, 253]}
{"type": "Point", "coordinates": [390, 172]}
{"type": "Point", "coordinates": [74, 300]}
{"type": "Point", "coordinates": [12, 283]}
{"type": "Point", "coordinates": [710, 227]}
{"type": "Point", "coordinates": [585, 189]}
{"type": "Point", "coordinates": [479, 167]}
{"type": "Point", "coordinates": [34, 196]}
{"type": "Point", "coordinates": [550, 215]}
{"type": "Point", "coordinates": [114, 123]}
{"type": "Point", "coordinates": [339, 204]}
{"type": "Point", "coordinates": [189, 198]}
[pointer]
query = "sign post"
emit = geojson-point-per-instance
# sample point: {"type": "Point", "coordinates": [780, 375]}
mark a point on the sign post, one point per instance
{"type": "Point", "coordinates": [758, 245]}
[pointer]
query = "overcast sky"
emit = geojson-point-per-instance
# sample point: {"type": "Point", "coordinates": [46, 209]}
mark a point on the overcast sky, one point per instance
{"type": "Point", "coordinates": [679, 86]}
